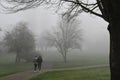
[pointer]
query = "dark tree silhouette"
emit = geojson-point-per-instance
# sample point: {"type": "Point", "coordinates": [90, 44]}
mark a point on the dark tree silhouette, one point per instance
{"type": "Point", "coordinates": [109, 12]}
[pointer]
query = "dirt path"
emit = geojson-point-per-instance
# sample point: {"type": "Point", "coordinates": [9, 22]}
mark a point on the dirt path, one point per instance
{"type": "Point", "coordinates": [29, 74]}
{"type": "Point", "coordinates": [20, 76]}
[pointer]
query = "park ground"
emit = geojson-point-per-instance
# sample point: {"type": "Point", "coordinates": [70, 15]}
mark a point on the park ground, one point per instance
{"type": "Point", "coordinates": [101, 73]}
{"type": "Point", "coordinates": [98, 72]}
{"type": "Point", "coordinates": [54, 61]}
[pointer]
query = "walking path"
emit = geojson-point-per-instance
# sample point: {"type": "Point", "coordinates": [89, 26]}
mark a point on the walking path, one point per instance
{"type": "Point", "coordinates": [29, 74]}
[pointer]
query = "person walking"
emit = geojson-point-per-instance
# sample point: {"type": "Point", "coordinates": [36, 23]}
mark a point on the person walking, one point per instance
{"type": "Point", "coordinates": [35, 63]}
{"type": "Point", "coordinates": [39, 61]}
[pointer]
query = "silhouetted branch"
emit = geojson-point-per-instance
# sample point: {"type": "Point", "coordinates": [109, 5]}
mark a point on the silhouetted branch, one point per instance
{"type": "Point", "coordinates": [74, 6]}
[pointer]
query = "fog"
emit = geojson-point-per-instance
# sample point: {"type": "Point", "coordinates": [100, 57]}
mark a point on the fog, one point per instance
{"type": "Point", "coordinates": [39, 19]}
{"type": "Point", "coordinates": [95, 34]}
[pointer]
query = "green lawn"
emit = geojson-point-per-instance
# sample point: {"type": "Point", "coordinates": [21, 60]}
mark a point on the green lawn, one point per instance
{"type": "Point", "coordinates": [8, 66]}
{"type": "Point", "coordinates": [75, 59]}
{"type": "Point", "coordinates": [85, 74]}
{"type": "Point", "coordinates": [12, 68]}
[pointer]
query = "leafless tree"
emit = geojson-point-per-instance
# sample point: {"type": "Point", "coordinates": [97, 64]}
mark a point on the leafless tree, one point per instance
{"type": "Point", "coordinates": [109, 11]}
{"type": "Point", "coordinates": [41, 43]}
{"type": "Point", "coordinates": [65, 37]}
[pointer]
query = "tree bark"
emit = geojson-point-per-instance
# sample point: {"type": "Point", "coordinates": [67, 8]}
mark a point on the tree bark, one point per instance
{"type": "Point", "coordinates": [65, 58]}
{"type": "Point", "coordinates": [64, 54]}
{"type": "Point", "coordinates": [17, 61]}
{"type": "Point", "coordinates": [114, 30]}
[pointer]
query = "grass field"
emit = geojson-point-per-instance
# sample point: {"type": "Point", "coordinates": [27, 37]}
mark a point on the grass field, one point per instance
{"type": "Point", "coordinates": [85, 74]}
{"type": "Point", "coordinates": [8, 66]}
{"type": "Point", "coordinates": [11, 69]}
{"type": "Point", "coordinates": [75, 58]}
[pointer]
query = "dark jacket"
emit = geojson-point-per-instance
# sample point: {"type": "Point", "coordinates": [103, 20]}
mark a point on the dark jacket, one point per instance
{"type": "Point", "coordinates": [35, 60]}
{"type": "Point", "coordinates": [39, 60]}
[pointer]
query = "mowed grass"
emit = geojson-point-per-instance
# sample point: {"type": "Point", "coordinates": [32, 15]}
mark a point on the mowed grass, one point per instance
{"type": "Point", "coordinates": [76, 58]}
{"type": "Point", "coordinates": [85, 74]}
{"type": "Point", "coordinates": [12, 69]}
{"type": "Point", "coordinates": [8, 66]}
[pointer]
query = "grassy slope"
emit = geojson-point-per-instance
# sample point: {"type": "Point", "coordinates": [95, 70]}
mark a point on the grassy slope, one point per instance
{"type": "Point", "coordinates": [85, 74]}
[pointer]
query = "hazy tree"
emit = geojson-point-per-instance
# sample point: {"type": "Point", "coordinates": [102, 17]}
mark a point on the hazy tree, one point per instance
{"type": "Point", "coordinates": [41, 43]}
{"type": "Point", "coordinates": [109, 12]}
{"type": "Point", "coordinates": [20, 40]}
{"type": "Point", "coordinates": [3, 48]}
{"type": "Point", "coordinates": [66, 36]}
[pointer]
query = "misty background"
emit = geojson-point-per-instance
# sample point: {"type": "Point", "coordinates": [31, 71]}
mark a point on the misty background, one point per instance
{"type": "Point", "coordinates": [95, 34]}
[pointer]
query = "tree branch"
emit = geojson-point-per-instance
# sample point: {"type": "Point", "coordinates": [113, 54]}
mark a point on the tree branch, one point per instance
{"type": "Point", "coordinates": [100, 5]}
{"type": "Point", "coordinates": [85, 8]}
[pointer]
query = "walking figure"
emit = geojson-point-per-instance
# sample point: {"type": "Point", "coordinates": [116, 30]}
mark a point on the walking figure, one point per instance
{"type": "Point", "coordinates": [35, 63]}
{"type": "Point", "coordinates": [39, 62]}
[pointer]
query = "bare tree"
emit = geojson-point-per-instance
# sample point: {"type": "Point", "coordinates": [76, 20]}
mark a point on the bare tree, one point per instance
{"type": "Point", "coordinates": [66, 36]}
{"type": "Point", "coordinates": [41, 43]}
{"type": "Point", "coordinates": [109, 11]}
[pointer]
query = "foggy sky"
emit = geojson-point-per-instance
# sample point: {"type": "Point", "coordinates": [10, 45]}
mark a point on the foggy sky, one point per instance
{"type": "Point", "coordinates": [96, 36]}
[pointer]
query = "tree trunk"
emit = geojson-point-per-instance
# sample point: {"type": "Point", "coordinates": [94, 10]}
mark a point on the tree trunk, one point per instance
{"type": "Point", "coordinates": [64, 56]}
{"type": "Point", "coordinates": [17, 61]}
{"type": "Point", "coordinates": [114, 29]}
